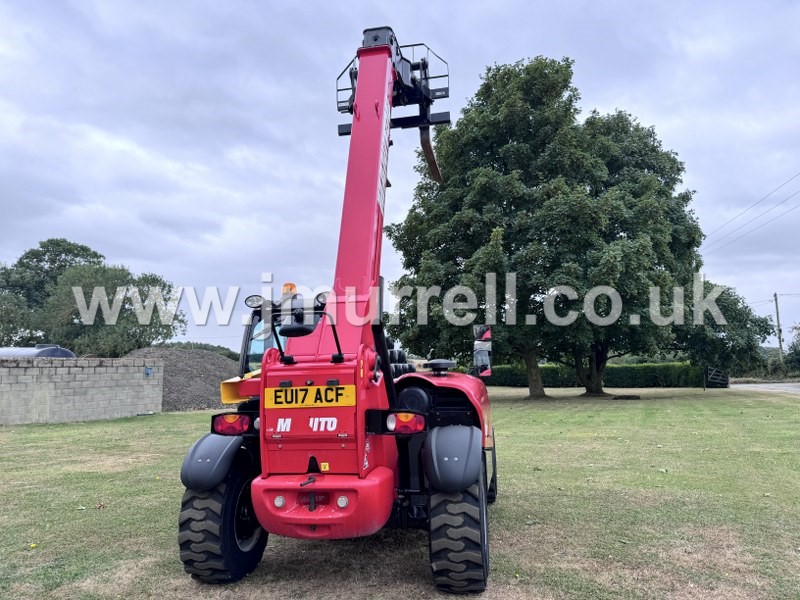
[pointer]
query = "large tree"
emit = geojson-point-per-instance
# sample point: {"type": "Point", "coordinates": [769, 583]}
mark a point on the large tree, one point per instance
{"type": "Point", "coordinates": [494, 162]}
{"type": "Point", "coordinates": [38, 302]}
{"type": "Point", "coordinates": [109, 325]}
{"type": "Point", "coordinates": [629, 230]}
{"type": "Point", "coordinates": [732, 345]}
{"type": "Point", "coordinates": [530, 191]}
{"type": "Point", "coordinates": [39, 268]}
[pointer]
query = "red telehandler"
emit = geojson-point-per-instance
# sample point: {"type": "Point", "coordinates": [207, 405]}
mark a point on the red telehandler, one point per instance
{"type": "Point", "coordinates": [326, 441]}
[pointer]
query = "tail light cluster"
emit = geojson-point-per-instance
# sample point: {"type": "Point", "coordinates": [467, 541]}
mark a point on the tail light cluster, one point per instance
{"type": "Point", "coordinates": [395, 422]}
{"type": "Point", "coordinates": [405, 422]}
{"type": "Point", "coordinates": [231, 424]}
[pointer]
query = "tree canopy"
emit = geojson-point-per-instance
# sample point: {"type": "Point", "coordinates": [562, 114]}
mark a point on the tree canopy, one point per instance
{"type": "Point", "coordinates": [63, 293]}
{"type": "Point", "coordinates": [16, 320]}
{"type": "Point", "coordinates": [793, 351]}
{"type": "Point", "coordinates": [734, 346]}
{"type": "Point", "coordinates": [39, 268]}
{"type": "Point", "coordinates": [550, 206]}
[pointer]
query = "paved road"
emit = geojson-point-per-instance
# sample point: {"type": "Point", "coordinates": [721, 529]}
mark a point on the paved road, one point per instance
{"type": "Point", "coordinates": [789, 388]}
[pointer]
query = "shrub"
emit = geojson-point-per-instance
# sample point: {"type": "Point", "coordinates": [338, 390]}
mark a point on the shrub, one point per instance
{"type": "Point", "coordinates": [642, 375]}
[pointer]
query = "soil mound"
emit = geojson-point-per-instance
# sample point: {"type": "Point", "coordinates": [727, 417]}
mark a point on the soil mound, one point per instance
{"type": "Point", "coordinates": [191, 377]}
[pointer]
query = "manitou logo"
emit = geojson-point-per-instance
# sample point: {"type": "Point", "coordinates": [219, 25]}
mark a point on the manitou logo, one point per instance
{"type": "Point", "coordinates": [284, 425]}
{"type": "Point", "coordinates": [322, 423]}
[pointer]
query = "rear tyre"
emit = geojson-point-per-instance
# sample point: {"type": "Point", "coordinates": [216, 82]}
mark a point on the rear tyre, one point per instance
{"type": "Point", "coordinates": [459, 539]}
{"type": "Point", "coordinates": [219, 535]}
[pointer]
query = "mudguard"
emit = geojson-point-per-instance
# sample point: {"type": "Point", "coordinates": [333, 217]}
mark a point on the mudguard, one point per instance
{"type": "Point", "coordinates": [452, 457]}
{"type": "Point", "coordinates": [209, 461]}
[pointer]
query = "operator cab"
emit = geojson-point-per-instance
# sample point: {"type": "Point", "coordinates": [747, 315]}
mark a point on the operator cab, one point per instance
{"type": "Point", "coordinates": [260, 338]}
{"type": "Point", "coordinates": [290, 316]}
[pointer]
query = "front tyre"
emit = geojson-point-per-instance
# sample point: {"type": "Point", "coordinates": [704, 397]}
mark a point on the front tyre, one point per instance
{"type": "Point", "coordinates": [219, 535]}
{"type": "Point", "coordinates": [459, 539]}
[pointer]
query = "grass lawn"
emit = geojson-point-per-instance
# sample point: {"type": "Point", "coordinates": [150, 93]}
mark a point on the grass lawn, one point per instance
{"type": "Point", "coordinates": [682, 494]}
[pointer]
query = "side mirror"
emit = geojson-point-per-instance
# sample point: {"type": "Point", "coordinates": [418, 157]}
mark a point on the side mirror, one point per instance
{"type": "Point", "coordinates": [482, 351]}
{"type": "Point", "coordinates": [299, 321]}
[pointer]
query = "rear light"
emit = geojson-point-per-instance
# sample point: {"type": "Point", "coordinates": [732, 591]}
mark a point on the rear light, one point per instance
{"type": "Point", "coordinates": [231, 424]}
{"type": "Point", "coordinates": [404, 422]}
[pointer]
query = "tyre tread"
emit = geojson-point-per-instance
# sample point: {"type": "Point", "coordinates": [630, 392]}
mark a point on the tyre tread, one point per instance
{"type": "Point", "coordinates": [200, 537]}
{"type": "Point", "coordinates": [455, 541]}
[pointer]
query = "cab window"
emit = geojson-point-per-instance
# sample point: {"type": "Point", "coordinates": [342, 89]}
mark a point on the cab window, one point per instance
{"type": "Point", "coordinates": [260, 341]}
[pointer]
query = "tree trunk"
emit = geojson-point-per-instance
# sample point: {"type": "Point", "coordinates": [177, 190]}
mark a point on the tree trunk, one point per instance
{"type": "Point", "coordinates": [580, 370]}
{"type": "Point", "coordinates": [535, 385]}
{"type": "Point", "coordinates": [593, 376]}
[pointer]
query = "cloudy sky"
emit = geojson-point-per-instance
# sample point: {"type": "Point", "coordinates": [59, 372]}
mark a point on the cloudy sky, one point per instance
{"type": "Point", "coordinates": [197, 139]}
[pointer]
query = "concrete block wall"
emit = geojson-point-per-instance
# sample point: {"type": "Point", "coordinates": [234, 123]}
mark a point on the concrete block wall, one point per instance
{"type": "Point", "coordinates": [63, 390]}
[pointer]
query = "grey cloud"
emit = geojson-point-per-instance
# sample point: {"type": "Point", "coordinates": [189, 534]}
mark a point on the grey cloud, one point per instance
{"type": "Point", "coordinates": [198, 139]}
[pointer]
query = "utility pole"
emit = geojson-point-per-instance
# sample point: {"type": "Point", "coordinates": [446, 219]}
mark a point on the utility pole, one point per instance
{"type": "Point", "coordinates": [778, 321]}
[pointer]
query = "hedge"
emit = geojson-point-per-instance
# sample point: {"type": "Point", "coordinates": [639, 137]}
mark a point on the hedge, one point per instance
{"type": "Point", "coordinates": [624, 376]}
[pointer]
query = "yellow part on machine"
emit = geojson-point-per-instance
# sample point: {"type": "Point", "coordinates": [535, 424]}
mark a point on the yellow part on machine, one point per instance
{"type": "Point", "coordinates": [229, 389]}
{"type": "Point", "coordinates": [314, 396]}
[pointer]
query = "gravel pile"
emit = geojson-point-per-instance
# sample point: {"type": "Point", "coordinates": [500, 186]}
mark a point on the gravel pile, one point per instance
{"type": "Point", "coordinates": [191, 377]}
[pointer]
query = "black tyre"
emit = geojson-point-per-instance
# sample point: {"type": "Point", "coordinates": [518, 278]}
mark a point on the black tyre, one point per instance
{"type": "Point", "coordinates": [219, 535]}
{"type": "Point", "coordinates": [459, 539]}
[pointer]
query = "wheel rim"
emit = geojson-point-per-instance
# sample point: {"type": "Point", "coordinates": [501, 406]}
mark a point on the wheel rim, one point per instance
{"type": "Point", "coordinates": [247, 529]}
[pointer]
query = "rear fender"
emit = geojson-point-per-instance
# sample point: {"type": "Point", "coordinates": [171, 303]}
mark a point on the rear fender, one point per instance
{"type": "Point", "coordinates": [209, 460]}
{"type": "Point", "coordinates": [471, 389]}
{"type": "Point", "coordinates": [452, 457]}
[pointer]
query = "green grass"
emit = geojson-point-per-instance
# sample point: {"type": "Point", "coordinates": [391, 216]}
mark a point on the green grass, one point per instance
{"type": "Point", "coordinates": [682, 494]}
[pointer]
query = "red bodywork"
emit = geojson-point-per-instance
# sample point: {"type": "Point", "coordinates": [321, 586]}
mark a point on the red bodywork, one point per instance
{"type": "Point", "coordinates": [359, 466]}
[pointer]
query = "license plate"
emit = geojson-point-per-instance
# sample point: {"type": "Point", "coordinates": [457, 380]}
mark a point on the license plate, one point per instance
{"type": "Point", "coordinates": [317, 396]}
